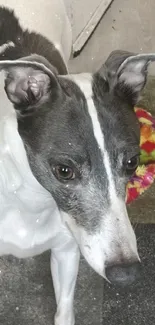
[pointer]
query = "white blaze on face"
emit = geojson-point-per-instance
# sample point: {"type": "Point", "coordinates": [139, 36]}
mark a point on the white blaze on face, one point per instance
{"type": "Point", "coordinates": [84, 81]}
{"type": "Point", "coordinates": [100, 141]}
{"type": "Point", "coordinates": [115, 237]}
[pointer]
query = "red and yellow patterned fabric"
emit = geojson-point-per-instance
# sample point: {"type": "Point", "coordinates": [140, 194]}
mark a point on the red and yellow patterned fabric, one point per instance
{"type": "Point", "coordinates": [145, 173]}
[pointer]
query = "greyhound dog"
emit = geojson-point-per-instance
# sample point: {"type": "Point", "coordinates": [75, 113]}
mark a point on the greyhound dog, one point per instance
{"type": "Point", "coordinates": [68, 146]}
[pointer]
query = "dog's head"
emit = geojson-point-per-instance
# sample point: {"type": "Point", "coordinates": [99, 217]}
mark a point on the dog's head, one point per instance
{"type": "Point", "coordinates": [82, 141]}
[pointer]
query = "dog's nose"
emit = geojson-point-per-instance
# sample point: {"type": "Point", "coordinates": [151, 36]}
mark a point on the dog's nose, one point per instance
{"type": "Point", "coordinates": [123, 274]}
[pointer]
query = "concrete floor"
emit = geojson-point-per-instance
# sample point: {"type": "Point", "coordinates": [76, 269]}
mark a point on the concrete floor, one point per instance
{"type": "Point", "coordinates": [27, 294]}
{"type": "Point", "coordinates": [25, 285]}
{"type": "Point", "coordinates": [128, 25]}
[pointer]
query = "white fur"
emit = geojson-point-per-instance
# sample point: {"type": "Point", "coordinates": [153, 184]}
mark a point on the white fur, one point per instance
{"type": "Point", "coordinates": [5, 46]}
{"type": "Point", "coordinates": [30, 221]}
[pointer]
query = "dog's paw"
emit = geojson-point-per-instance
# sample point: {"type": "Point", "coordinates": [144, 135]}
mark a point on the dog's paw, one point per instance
{"type": "Point", "coordinates": [67, 318]}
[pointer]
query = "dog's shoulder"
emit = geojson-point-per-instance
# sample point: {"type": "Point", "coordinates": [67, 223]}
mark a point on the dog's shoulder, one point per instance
{"type": "Point", "coordinates": [16, 42]}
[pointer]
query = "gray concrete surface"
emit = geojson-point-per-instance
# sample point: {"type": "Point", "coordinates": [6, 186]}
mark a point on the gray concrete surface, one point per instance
{"type": "Point", "coordinates": [25, 285]}
{"type": "Point", "coordinates": [128, 24]}
{"type": "Point", "coordinates": [135, 305]}
{"type": "Point", "coordinates": [27, 295]}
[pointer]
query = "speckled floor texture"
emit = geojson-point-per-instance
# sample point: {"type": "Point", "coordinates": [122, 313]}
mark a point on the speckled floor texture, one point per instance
{"type": "Point", "coordinates": [26, 287]}
{"type": "Point", "coordinates": [135, 305]}
{"type": "Point", "coordinates": [27, 296]}
{"type": "Point", "coordinates": [27, 293]}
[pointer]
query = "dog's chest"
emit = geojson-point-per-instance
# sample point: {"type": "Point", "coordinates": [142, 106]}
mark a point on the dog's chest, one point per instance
{"type": "Point", "coordinates": [29, 217]}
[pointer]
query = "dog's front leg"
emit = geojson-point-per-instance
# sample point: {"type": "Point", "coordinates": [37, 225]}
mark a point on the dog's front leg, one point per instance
{"type": "Point", "coordinates": [64, 267]}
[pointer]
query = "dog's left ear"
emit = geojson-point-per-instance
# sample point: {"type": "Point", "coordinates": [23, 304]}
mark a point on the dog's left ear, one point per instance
{"type": "Point", "coordinates": [126, 73]}
{"type": "Point", "coordinates": [29, 81]}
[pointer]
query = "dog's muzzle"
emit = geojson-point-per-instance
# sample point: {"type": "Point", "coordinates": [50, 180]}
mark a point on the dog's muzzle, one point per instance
{"type": "Point", "coordinates": [123, 274]}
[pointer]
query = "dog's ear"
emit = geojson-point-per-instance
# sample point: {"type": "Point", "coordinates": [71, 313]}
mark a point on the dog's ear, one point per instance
{"type": "Point", "coordinates": [29, 81]}
{"type": "Point", "coordinates": [126, 73]}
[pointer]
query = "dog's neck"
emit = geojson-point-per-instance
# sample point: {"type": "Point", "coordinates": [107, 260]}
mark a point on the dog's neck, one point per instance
{"type": "Point", "coordinates": [26, 219]}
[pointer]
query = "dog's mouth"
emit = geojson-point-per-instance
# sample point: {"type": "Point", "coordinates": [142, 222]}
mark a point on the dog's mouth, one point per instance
{"type": "Point", "coordinates": [98, 248]}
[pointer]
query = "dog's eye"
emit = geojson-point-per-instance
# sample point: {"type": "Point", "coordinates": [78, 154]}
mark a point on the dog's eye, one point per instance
{"type": "Point", "coordinates": [132, 164]}
{"type": "Point", "coordinates": [64, 173]}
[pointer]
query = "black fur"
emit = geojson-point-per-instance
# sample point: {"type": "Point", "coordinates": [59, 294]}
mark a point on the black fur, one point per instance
{"type": "Point", "coordinates": [26, 42]}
